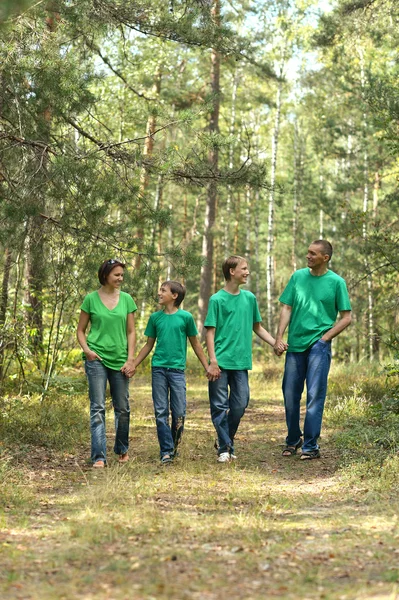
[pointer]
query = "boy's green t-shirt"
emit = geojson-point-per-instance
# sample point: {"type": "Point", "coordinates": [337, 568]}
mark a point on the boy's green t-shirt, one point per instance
{"type": "Point", "coordinates": [315, 303]}
{"type": "Point", "coordinates": [233, 316]}
{"type": "Point", "coordinates": [171, 333]}
{"type": "Point", "coordinates": [107, 336]}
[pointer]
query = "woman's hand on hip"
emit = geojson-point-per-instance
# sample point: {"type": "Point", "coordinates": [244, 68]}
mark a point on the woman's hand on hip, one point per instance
{"type": "Point", "coordinates": [91, 355]}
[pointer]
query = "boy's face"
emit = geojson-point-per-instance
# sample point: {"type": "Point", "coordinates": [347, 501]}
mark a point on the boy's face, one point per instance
{"type": "Point", "coordinates": [165, 296]}
{"type": "Point", "coordinates": [240, 273]}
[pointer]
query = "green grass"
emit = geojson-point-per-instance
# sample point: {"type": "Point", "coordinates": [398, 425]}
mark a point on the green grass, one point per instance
{"type": "Point", "coordinates": [263, 527]}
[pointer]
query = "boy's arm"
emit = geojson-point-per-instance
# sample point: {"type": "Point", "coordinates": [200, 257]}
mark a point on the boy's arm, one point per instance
{"type": "Point", "coordinates": [263, 334]}
{"type": "Point", "coordinates": [196, 346]}
{"type": "Point", "coordinates": [144, 352]}
{"type": "Point", "coordinates": [210, 344]}
{"type": "Point", "coordinates": [285, 318]}
{"type": "Point", "coordinates": [128, 368]}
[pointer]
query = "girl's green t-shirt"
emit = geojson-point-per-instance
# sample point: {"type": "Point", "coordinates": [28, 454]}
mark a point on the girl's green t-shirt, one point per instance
{"type": "Point", "coordinates": [315, 303]}
{"type": "Point", "coordinates": [107, 336]}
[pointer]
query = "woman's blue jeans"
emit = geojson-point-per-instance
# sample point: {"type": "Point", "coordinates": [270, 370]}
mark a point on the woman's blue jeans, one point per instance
{"type": "Point", "coordinates": [311, 366]}
{"type": "Point", "coordinates": [228, 409]}
{"type": "Point", "coordinates": [97, 377]}
{"type": "Point", "coordinates": [169, 385]}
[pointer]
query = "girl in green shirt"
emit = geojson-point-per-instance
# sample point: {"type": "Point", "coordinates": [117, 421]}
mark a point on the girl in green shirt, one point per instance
{"type": "Point", "coordinates": [108, 351]}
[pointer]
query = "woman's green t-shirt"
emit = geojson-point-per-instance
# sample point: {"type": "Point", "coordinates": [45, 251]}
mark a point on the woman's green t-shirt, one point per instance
{"type": "Point", "coordinates": [107, 336]}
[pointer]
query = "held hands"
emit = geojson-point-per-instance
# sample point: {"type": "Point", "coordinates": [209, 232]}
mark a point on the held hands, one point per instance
{"type": "Point", "coordinates": [213, 371]}
{"type": "Point", "coordinates": [129, 368]}
{"type": "Point", "coordinates": [280, 347]}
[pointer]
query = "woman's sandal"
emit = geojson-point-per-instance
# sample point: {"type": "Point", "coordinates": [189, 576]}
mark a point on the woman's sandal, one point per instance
{"type": "Point", "coordinates": [99, 464]}
{"type": "Point", "coordinates": [291, 450]}
{"type": "Point", "coordinates": [310, 454]}
{"type": "Point", "coordinates": [123, 458]}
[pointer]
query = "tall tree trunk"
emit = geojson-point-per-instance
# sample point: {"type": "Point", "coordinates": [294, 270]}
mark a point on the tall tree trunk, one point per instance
{"type": "Point", "coordinates": [270, 224]}
{"type": "Point", "coordinates": [228, 210]}
{"type": "Point", "coordinates": [3, 305]}
{"type": "Point", "coordinates": [147, 153]}
{"type": "Point", "coordinates": [213, 161]}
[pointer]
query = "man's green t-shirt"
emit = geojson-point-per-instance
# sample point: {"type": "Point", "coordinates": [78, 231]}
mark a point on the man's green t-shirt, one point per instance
{"type": "Point", "coordinates": [171, 333]}
{"type": "Point", "coordinates": [315, 303]}
{"type": "Point", "coordinates": [107, 336]}
{"type": "Point", "coordinates": [233, 316]}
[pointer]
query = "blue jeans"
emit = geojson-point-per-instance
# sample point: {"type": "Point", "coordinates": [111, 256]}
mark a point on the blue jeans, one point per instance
{"type": "Point", "coordinates": [311, 366]}
{"type": "Point", "coordinates": [227, 409]}
{"type": "Point", "coordinates": [169, 387]}
{"type": "Point", "coordinates": [97, 376]}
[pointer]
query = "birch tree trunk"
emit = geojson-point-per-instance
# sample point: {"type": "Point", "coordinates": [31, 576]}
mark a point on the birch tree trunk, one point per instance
{"type": "Point", "coordinates": [270, 223]}
{"type": "Point", "coordinates": [210, 212]}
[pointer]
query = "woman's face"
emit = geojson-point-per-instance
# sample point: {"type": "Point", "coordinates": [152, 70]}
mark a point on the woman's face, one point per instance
{"type": "Point", "coordinates": [115, 277]}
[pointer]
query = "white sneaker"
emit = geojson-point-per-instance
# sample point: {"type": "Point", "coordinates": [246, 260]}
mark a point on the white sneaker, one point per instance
{"type": "Point", "coordinates": [224, 457]}
{"type": "Point", "coordinates": [233, 457]}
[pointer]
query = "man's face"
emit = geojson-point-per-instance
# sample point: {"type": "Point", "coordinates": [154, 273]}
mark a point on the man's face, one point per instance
{"type": "Point", "coordinates": [240, 273]}
{"type": "Point", "coordinates": [316, 256]}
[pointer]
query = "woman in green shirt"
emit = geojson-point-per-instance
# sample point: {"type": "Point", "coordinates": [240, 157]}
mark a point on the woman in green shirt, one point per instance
{"type": "Point", "coordinates": [108, 351]}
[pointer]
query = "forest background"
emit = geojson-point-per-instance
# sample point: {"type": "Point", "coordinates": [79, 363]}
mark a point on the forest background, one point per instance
{"type": "Point", "coordinates": [169, 134]}
{"type": "Point", "coordinates": [172, 134]}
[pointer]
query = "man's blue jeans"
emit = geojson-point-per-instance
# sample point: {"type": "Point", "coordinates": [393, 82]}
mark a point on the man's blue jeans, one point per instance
{"type": "Point", "coordinates": [227, 409]}
{"type": "Point", "coordinates": [169, 387]}
{"type": "Point", "coordinates": [311, 366]}
{"type": "Point", "coordinates": [97, 376]}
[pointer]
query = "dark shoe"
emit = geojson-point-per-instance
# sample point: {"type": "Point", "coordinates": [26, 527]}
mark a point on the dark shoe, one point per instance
{"type": "Point", "coordinates": [291, 450]}
{"type": "Point", "coordinates": [310, 454]}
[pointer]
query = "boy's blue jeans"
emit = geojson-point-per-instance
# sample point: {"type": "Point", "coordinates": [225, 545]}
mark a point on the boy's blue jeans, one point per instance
{"type": "Point", "coordinates": [97, 376]}
{"type": "Point", "coordinates": [311, 366]}
{"type": "Point", "coordinates": [169, 387]}
{"type": "Point", "coordinates": [227, 409]}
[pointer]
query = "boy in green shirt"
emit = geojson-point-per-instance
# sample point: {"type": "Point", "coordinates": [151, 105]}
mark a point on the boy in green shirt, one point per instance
{"type": "Point", "coordinates": [170, 327]}
{"type": "Point", "coordinates": [232, 316]}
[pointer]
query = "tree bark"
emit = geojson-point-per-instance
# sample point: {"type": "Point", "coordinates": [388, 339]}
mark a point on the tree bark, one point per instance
{"type": "Point", "coordinates": [210, 212]}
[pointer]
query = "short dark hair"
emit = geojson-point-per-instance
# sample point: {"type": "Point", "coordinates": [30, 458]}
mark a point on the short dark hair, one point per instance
{"type": "Point", "coordinates": [176, 288]}
{"type": "Point", "coordinates": [327, 248]}
{"type": "Point", "coordinates": [106, 268]}
{"type": "Point", "coordinates": [230, 263]}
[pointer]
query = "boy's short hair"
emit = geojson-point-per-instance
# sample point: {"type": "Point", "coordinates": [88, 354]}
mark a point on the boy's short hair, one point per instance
{"type": "Point", "coordinates": [176, 288]}
{"type": "Point", "coordinates": [106, 268]}
{"type": "Point", "coordinates": [327, 247]}
{"type": "Point", "coordinates": [230, 263]}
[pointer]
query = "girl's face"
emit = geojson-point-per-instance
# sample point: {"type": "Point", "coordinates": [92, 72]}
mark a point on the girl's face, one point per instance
{"type": "Point", "coordinates": [115, 277]}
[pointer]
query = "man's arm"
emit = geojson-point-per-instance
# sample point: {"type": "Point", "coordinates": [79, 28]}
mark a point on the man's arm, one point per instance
{"type": "Point", "coordinates": [214, 370]}
{"type": "Point", "coordinates": [285, 317]}
{"type": "Point", "coordinates": [196, 346]}
{"type": "Point", "coordinates": [263, 334]}
{"type": "Point", "coordinates": [345, 320]}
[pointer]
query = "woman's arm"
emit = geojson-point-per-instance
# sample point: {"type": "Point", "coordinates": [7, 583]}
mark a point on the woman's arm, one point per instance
{"type": "Point", "coordinates": [81, 335]}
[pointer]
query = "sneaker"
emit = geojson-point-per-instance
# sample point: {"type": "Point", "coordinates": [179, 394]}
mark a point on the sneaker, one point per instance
{"type": "Point", "coordinates": [224, 457]}
{"type": "Point", "coordinates": [233, 456]}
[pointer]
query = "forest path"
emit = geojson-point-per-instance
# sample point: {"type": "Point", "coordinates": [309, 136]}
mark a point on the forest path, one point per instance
{"type": "Point", "coordinates": [262, 527]}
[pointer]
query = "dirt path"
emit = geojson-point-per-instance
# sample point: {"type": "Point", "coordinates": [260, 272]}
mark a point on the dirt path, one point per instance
{"type": "Point", "coordinates": [263, 527]}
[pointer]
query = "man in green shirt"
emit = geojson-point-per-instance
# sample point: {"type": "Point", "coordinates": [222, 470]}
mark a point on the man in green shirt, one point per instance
{"type": "Point", "coordinates": [311, 302]}
{"type": "Point", "coordinates": [232, 316]}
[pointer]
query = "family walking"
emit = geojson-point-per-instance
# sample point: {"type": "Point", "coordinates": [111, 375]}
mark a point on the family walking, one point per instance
{"type": "Point", "coordinates": [310, 305]}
